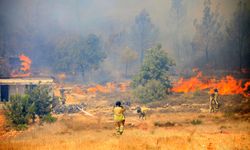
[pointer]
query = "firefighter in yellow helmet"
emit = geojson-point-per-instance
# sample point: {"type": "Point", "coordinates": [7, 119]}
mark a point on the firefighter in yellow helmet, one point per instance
{"type": "Point", "coordinates": [119, 117]}
{"type": "Point", "coordinates": [213, 101]}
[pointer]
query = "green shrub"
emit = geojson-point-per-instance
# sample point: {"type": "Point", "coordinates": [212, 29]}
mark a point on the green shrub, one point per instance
{"type": "Point", "coordinates": [17, 110]}
{"type": "Point", "coordinates": [155, 67]}
{"type": "Point", "coordinates": [20, 109]}
{"type": "Point", "coordinates": [21, 127]}
{"type": "Point", "coordinates": [48, 118]}
{"type": "Point", "coordinates": [152, 82]}
{"type": "Point", "coordinates": [152, 91]}
{"type": "Point", "coordinates": [196, 122]}
{"type": "Point", "coordinates": [41, 99]}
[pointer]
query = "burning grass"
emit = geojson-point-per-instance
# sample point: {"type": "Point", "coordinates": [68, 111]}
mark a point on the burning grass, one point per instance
{"type": "Point", "coordinates": [80, 93]}
{"type": "Point", "coordinates": [227, 85]}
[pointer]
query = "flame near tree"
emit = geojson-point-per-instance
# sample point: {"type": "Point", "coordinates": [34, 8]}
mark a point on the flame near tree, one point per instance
{"type": "Point", "coordinates": [24, 70]}
{"type": "Point", "coordinates": [227, 85]}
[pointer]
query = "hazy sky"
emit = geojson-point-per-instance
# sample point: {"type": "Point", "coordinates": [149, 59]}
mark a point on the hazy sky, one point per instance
{"type": "Point", "coordinates": [90, 14]}
{"type": "Point", "coordinates": [45, 17]}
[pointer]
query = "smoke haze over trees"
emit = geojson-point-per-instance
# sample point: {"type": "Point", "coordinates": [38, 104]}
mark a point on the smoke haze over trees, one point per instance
{"type": "Point", "coordinates": [143, 33]}
{"type": "Point", "coordinates": [90, 39]}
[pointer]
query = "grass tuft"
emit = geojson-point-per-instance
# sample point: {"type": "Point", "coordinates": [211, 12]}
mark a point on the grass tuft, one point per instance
{"type": "Point", "coordinates": [196, 122]}
{"type": "Point", "coordinates": [49, 118]}
{"type": "Point", "coordinates": [164, 124]}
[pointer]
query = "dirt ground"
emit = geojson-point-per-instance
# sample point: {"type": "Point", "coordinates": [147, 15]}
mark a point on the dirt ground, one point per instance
{"type": "Point", "coordinates": [166, 127]}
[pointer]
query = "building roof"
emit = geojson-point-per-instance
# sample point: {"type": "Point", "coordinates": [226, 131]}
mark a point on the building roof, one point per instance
{"type": "Point", "coordinates": [26, 81]}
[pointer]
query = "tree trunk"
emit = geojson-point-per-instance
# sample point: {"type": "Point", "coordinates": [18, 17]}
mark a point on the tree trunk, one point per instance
{"type": "Point", "coordinates": [178, 50]}
{"type": "Point", "coordinates": [126, 69]}
{"type": "Point", "coordinates": [33, 118]}
{"type": "Point", "coordinates": [142, 51]}
{"type": "Point", "coordinates": [240, 56]}
{"type": "Point", "coordinates": [240, 37]}
{"type": "Point", "coordinates": [178, 41]}
{"type": "Point", "coordinates": [142, 55]}
{"type": "Point", "coordinates": [206, 50]}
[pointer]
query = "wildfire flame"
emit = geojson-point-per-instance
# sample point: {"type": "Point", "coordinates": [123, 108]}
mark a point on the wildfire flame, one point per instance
{"type": "Point", "coordinates": [74, 93]}
{"type": "Point", "coordinates": [62, 76]}
{"type": "Point", "coordinates": [24, 70]}
{"type": "Point", "coordinates": [123, 87]}
{"type": "Point", "coordinates": [227, 85]}
{"type": "Point", "coordinates": [109, 88]}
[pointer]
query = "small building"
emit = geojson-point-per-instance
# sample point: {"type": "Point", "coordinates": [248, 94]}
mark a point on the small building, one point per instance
{"type": "Point", "coordinates": [12, 86]}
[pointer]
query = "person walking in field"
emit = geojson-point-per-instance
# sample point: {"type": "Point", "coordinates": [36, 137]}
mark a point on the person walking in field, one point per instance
{"type": "Point", "coordinates": [119, 117]}
{"type": "Point", "coordinates": [213, 101]}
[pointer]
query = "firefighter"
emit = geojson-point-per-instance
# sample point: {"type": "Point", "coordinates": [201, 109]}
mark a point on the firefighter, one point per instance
{"type": "Point", "coordinates": [213, 101]}
{"type": "Point", "coordinates": [119, 117]}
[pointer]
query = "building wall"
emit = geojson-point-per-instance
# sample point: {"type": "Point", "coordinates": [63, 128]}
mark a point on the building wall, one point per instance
{"type": "Point", "coordinates": [20, 89]}
{"type": "Point", "coordinates": [16, 89]}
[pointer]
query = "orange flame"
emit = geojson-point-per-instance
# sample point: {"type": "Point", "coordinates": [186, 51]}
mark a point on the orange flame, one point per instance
{"type": "Point", "coordinates": [109, 88]}
{"type": "Point", "coordinates": [62, 76]}
{"type": "Point", "coordinates": [227, 85]}
{"type": "Point", "coordinates": [26, 62]}
{"type": "Point", "coordinates": [25, 67]}
{"type": "Point", "coordinates": [123, 86]}
{"type": "Point", "coordinates": [92, 90]}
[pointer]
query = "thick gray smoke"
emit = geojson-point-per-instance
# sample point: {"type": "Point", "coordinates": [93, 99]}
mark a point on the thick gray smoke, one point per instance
{"type": "Point", "coordinates": [39, 27]}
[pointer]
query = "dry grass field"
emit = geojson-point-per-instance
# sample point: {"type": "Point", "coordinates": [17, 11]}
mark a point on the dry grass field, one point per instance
{"type": "Point", "coordinates": [81, 132]}
{"type": "Point", "coordinates": [162, 130]}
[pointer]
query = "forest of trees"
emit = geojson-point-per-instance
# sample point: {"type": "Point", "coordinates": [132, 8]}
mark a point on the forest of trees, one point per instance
{"type": "Point", "coordinates": [116, 49]}
{"type": "Point", "coordinates": [225, 45]}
